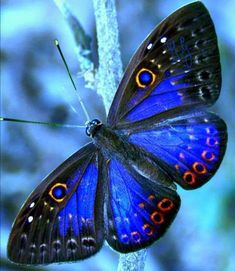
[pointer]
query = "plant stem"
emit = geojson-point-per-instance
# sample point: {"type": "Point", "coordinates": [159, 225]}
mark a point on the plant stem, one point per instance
{"type": "Point", "coordinates": [108, 78]}
{"type": "Point", "coordinates": [133, 261]}
{"type": "Point", "coordinates": [110, 64]}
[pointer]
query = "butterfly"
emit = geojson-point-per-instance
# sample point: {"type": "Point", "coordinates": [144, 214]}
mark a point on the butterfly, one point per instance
{"type": "Point", "coordinates": [121, 187]}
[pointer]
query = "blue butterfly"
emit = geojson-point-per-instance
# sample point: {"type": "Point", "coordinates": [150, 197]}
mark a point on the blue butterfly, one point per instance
{"type": "Point", "coordinates": [121, 186]}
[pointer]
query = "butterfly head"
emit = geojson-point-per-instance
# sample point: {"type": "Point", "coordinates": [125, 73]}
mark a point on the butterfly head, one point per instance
{"type": "Point", "coordinates": [92, 127]}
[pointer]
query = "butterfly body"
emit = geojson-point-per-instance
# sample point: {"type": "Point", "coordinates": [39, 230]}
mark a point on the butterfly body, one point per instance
{"type": "Point", "coordinates": [121, 186]}
{"type": "Point", "coordinates": [115, 143]}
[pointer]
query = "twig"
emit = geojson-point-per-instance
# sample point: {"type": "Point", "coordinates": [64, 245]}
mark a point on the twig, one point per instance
{"type": "Point", "coordinates": [109, 75]}
{"type": "Point", "coordinates": [110, 64]}
{"type": "Point", "coordinates": [132, 261]}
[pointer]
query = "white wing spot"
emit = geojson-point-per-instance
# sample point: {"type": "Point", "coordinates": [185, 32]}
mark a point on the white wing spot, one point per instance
{"type": "Point", "coordinates": [32, 205]}
{"type": "Point", "coordinates": [30, 219]}
{"type": "Point", "coordinates": [149, 46]}
{"type": "Point", "coordinates": [163, 40]}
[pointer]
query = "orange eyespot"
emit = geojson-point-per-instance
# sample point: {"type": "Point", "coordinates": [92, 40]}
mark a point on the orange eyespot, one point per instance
{"type": "Point", "coordinates": [199, 168]}
{"type": "Point", "coordinates": [58, 192]}
{"type": "Point", "coordinates": [165, 205]}
{"type": "Point", "coordinates": [147, 229]}
{"type": "Point", "coordinates": [211, 142]}
{"type": "Point", "coordinates": [157, 218]}
{"type": "Point", "coordinates": [136, 236]}
{"type": "Point", "coordinates": [189, 177]}
{"type": "Point", "coordinates": [208, 156]}
{"type": "Point", "coordinates": [145, 77]}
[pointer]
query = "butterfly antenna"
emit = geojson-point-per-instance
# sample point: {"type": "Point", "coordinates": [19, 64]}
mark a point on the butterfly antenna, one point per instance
{"type": "Point", "coordinates": [52, 124]}
{"type": "Point", "coordinates": [70, 76]}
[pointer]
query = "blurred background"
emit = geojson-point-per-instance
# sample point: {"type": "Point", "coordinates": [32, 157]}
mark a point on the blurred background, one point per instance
{"type": "Point", "coordinates": [35, 86]}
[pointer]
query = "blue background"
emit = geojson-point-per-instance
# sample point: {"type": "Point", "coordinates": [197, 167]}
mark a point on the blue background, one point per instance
{"type": "Point", "coordinates": [35, 86]}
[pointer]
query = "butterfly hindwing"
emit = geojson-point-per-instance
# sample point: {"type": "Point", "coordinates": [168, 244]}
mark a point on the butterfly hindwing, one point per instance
{"type": "Point", "coordinates": [138, 212]}
{"type": "Point", "coordinates": [175, 68]}
{"type": "Point", "coordinates": [189, 147]}
{"type": "Point", "coordinates": [62, 220]}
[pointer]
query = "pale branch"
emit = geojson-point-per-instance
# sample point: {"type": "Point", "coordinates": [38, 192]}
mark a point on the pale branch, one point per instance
{"type": "Point", "coordinates": [110, 64]}
{"type": "Point", "coordinates": [132, 261]}
{"type": "Point", "coordinates": [109, 76]}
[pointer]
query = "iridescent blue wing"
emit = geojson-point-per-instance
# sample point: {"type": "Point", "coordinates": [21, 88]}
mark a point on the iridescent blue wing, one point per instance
{"type": "Point", "coordinates": [62, 220]}
{"type": "Point", "coordinates": [189, 147]}
{"type": "Point", "coordinates": [138, 212]}
{"type": "Point", "coordinates": [176, 68]}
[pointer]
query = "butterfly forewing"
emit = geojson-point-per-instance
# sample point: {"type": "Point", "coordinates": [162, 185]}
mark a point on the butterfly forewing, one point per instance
{"type": "Point", "coordinates": [175, 68]}
{"type": "Point", "coordinates": [62, 220]}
